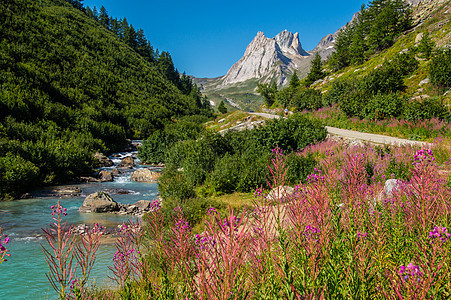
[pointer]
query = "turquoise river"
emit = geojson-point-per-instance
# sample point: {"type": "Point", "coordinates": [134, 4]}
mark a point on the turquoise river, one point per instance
{"type": "Point", "coordinates": [23, 275]}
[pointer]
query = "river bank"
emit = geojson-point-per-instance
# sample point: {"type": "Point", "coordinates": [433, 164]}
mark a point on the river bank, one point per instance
{"type": "Point", "coordinates": [23, 275]}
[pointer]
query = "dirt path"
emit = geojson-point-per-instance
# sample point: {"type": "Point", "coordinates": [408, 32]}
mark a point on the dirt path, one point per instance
{"type": "Point", "coordinates": [362, 136]}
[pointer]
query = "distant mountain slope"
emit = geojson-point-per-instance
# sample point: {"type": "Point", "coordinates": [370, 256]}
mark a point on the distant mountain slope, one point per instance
{"type": "Point", "coordinates": [69, 87]}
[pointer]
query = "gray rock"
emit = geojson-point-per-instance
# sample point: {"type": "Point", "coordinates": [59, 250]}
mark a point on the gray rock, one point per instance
{"type": "Point", "coordinates": [391, 185]}
{"type": "Point", "coordinates": [127, 163]}
{"type": "Point", "coordinates": [142, 204]}
{"type": "Point", "coordinates": [68, 191]}
{"type": "Point", "coordinates": [99, 202]}
{"type": "Point", "coordinates": [418, 38]}
{"type": "Point", "coordinates": [281, 192]}
{"type": "Point", "coordinates": [424, 81]}
{"type": "Point", "coordinates": [145, 175]}
{"type": "Point", "coordinates": [106, 176]}
{"type": "Point", "coordinates": [103, 160]}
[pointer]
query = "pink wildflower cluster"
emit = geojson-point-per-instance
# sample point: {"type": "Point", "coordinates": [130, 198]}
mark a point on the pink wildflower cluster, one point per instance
{"type": "Point", "coordinates": [58, 210]}
{"type": "Point", "coordinates": [440, 233]}
{"type": "Point", "coordinates": [424, 155]}
{"type": "Point", "coordinates": [4, 239]}
{"type": "Point", "coordinates": [410, 272]}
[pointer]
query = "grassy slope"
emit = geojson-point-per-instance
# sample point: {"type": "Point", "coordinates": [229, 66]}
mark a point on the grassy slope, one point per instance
{"type": "Point", "coordinates": [439, 28]}
{"type": "Point", "coordinates": [69, 87]}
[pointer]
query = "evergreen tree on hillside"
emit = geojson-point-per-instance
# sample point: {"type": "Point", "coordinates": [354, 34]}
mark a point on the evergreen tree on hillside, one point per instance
{"type": "Point", "coordinates": [375, 29]}
{"type": "Point", "coordinates": [166, 67]}
{"type": "Point", "coordinates": [294, 81]}
{"type": "Point", "coordinates": [144, 48]}
{"type": "Point", "coordinates": [221, 108]}
{"type": "Point", "coordinates": [103, 17]}
{"type": "Point", "coordinates": [316, 71]}
{"type": "Point", "coordinates": [426, 46]}
{"type": "Point", "coordinates": [268, 91]}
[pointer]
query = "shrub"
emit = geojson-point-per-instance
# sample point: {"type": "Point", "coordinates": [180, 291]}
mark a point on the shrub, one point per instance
{"type": "Point", "coordinates": [440, 71]}
{"type": "Point", "coordinates": [405, 63]}
{"type": "Point", "coordinates": [384, 106]}
{"type": "Point", "coordinates": [424, 109]}
{"type": "Point", "coordinates": [16, 175]}
{"type": "Point", "coordinates": [337, 91]}
{"type": "Point", "coordinates": [227, 173]}
{"type": "Point", "coordinates": [173, 184]}
{"type": "Point", "coordinates": [309, 99]}
{"type": "Point", "coordinates": [385, 79]}
{"type": "Point", "coordinates": [353, 103]}
{"type": "Point", "coordinates": [299, 167]}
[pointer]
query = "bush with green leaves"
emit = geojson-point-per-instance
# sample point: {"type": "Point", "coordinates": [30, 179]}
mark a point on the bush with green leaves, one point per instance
{"type": "Point", "coordinates": [383, 106]}
{"type": "Point", "coordinates": [16, 175]}
{"type": "Point", "coordinates": [173, 184]}
{"type": "Point", "coordinates": [307, 99]}
{"type": "Point", "coordinates": [237, 161]}
{"type": "Point", "coordinates": [353, 103]}
{"type": "Point", "coordinates": [155, 147]}
{"type": "Point", "coordinates": [424, 109]}
{"type": "Point", "coordinates": [385, 79]}
{"type": "Point", "coordinates": [299, 167]}
{"type": "Point", "coordinates": [440, 70]}
{"type": "Point", "coordinates": [405, 63]}
{"type": "Point", "coordinates": [338, 89]}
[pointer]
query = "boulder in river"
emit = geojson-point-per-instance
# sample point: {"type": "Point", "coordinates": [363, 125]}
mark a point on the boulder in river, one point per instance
{"type": "Point", "coordinates": [103, 160]}
{"type": "Point", "coordinates": [145, 175]}
{"type": "Point", "coordinates": [127, 163]}
{"type": "Point", "coordinates": [99, 202]}
{"type": "Point", "coordinates": [143, 205]}
{"type": "Point", "coordinates": [106, 176]}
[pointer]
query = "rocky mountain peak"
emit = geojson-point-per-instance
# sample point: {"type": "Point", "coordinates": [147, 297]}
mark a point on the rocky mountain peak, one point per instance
{"type": "Point", "coordinates": [268, 58]}
{"type": "Point", "coordinates": [289, 42]}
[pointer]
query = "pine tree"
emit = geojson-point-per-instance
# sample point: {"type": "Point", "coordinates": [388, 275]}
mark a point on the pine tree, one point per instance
{"type": "Point", "coordinates": [221, 108]}
{"type": "Point", "coordinates": [294, 81]}
{"type": "Point", "coordinates": [103, 17]}
{"type": "Point", "coordinates": [316, 71]}
{"type": "Point", "coordinates": [426, 46]}
{"type": "Point", "coordinates": [268, 91]}
{"type": "Point", "coordinates": [143, 46]}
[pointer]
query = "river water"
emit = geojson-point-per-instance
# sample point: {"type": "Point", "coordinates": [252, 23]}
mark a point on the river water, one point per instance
{"type": "Point", "coordinates": [23, 275]}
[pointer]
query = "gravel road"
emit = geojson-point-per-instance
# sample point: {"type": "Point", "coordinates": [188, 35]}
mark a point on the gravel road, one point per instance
{"type": "Point", "coordinates": [356, 135]}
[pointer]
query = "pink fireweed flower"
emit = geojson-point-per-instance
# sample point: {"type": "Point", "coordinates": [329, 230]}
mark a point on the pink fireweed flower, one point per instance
{"type": "Point", "coordinates": [211, 211]}
{"type": "Point", "coordinates": [440, 233]}
{"type": "Point", "coordinates": [311, 233]}
{"type": "Point", "coordinates": [183, 225]}
{"type": "Point", "coordinates": [362, 235]}
{"type": "Point", "coordinates": [423, 155]}
{"type": "Point", "coordinates": [155, 205]}
{"type": "Point", "coordinates": [204, 241]}
{"type": "Point", "coordinates": [410, 272]}
{"type": "Point", "coordinates": [58, 210]}
{"type": "Point", "coordinates": [277, 151]}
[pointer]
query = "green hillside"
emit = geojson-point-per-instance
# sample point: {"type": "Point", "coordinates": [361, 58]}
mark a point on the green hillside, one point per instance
{"type": "Point", "coordinates": [70, 86]}
{"type": "Point", "coordinates": [389, 75]}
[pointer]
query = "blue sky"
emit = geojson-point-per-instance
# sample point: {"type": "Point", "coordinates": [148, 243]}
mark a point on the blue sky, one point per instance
{"type": "Point", "coordinates": [205, 38]}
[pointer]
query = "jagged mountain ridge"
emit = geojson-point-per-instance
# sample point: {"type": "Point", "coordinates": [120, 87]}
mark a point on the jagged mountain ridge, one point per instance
{"type": "Point", "coordinates": [268, 58]}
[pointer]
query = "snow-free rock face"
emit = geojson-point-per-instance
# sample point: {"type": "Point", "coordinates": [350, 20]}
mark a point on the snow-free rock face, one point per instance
{"type": "Point", "coordinates": [268, 57]}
